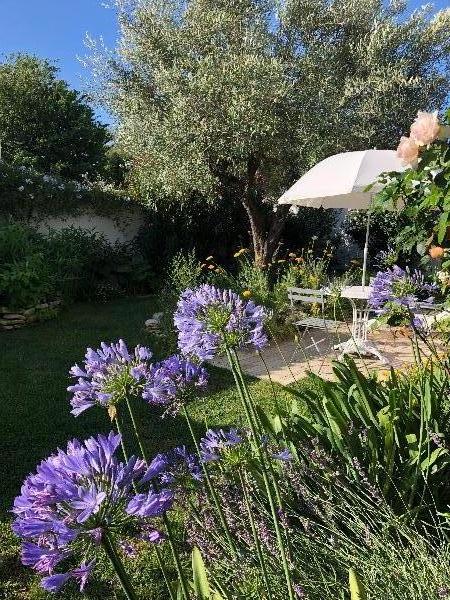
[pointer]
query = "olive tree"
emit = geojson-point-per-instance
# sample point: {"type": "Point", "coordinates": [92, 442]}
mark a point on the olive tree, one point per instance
{"type": "Point", "coordinates": [240, 97]}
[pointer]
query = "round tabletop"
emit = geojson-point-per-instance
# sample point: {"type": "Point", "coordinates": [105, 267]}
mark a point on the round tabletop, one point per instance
{"type": "Point", "coordinates": [356, 292]}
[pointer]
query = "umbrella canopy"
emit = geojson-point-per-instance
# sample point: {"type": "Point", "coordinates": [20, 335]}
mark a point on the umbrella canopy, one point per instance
{"type": "Point", "coordinates": [339, 180]}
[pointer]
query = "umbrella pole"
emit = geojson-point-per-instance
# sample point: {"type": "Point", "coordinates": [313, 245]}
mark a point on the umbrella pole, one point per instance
{"type": "Point", "coordinates": [366, 250]}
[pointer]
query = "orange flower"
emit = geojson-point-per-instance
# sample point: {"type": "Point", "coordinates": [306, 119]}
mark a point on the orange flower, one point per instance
{"type": "Point", "coordinates": [436, 252]}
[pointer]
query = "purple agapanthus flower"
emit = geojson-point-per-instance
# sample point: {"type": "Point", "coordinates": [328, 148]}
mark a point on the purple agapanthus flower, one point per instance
{"type": "Point", "coordinates": [173, 381]}
{"type": "Point", "coordinates": [215, 441]}
{"type": "Point", "coordinates": [107, 374]}
{"type": "Point", "coordinates": [75, 498]}
{"type": "Point", "coordinates": [399, 291]}
{"type": "Point", "coordinates": [209, 320]}
{"type": "Point", "coordinates": [174, 467]}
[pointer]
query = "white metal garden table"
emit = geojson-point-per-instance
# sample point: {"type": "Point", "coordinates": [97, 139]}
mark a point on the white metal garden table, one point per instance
{"type": "Point", "coordinates": [358, 343]}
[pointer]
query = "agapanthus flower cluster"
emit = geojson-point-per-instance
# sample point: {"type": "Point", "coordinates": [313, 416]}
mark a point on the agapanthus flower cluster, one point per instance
{"type": "Point", "coordinates": [233, 445]}
{"type": "Point", "coordinates": [173, 381]}
{"type": "Point", "coordinates": [108, 375]}
{"type": "Point", "coordinates": [209, 320]}
{"type": "Point", "coordinates": [216, 442]}
{"type": "Point", "coordinates": [75, 499]}
{"type": "Point", "coordinates": [174, 469]}
{"type": "Point", "coordinates": [397, 292]}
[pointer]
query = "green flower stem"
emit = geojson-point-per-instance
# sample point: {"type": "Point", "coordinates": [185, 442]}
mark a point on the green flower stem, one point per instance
{"type": "Point", "coordinates": [259, 551]}
{"type": "Point", "coordinates": [157, 551]}
{"type": "Point", "coordinates": [256, 420]}
{"type": "Point", "coordinates": [119, 569]}
{"type": "Point", "coordinates": [261, 432]}
{"type": "Point", "coordinates": [136, 430]}
{"type": "Point", "coordinates": [210, 487]}
{"type": "Point", "coordinates": [119, 430]}
{"type": "Point", "coordinates": [166, 521]}
{"type": "Point", "coordinates": [250, 412]}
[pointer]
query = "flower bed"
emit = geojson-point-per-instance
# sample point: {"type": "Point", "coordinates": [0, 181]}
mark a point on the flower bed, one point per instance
{"type": "Point", "coordinates": [263, 497]}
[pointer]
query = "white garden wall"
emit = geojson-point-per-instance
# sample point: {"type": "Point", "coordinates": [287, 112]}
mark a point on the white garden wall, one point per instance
{"type": "Point", "coordinates": [122, 227]}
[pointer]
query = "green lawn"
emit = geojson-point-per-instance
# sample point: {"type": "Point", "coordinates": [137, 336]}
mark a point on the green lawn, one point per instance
{"type": "Point", "coordinates": [35, 414]}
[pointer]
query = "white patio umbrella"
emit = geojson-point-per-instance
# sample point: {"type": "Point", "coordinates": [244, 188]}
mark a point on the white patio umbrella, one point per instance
{"type": "Point", "coordinates": [339, 181]}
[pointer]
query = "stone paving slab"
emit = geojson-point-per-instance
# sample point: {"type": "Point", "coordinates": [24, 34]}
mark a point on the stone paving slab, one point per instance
{"type": "Point", "coordinates": [289, 361]}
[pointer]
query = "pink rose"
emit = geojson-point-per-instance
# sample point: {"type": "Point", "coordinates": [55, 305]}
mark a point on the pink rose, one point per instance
{"type": "Point", "coordinates": [425, 128]}
{"type": "Point", "coordinates": [408, 151]}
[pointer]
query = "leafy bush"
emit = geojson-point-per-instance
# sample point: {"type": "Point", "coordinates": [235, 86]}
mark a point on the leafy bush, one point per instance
{"type": "Point", "coordinates": [24, 273]}
{"type": "Point", "coordinates": [333, 523]}
{"type": "Point", "coordinates": [184, 272]}
{"type": "Point", "coordinates": [71, 262]}
{"type": "Point", "coordinates": [24, 282]}
{"type": "Point", "coordinates": [420, 193]}
{"type": "Point", "coordinates": [390, 433]}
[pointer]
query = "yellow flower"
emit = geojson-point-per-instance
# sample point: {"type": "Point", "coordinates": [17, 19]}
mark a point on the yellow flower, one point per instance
{"type": "Point", "coordinates": [239, 252]}
{"type": "Point", "coordinates": [292, 255]}
{"type": "Point", "coordinates": [281, 261]}
{"type": "Point", "coordinates": [383, 375]}
{"type": "Point", "coordinates": [203, 266]}
{"type": "Point", "coordinates": [209, 257]}
{"type": "Point", "coordinates": [246, 294]}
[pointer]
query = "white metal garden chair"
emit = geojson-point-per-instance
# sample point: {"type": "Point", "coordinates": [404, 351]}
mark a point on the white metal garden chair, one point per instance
{"type": "Point", "coordinates": [305, 325]}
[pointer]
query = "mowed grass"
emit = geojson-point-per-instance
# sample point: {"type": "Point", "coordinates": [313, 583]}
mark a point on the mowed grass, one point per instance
{"type": "Point", "coordinates": [35, 411]}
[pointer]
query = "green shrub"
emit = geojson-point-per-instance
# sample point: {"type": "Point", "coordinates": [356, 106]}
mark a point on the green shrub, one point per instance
{"type": "Point", "coordinates": [390, 433]}
{"type": "Point", "coordinates": [24, 282]}
{"type": "Point", "coordinates": [24, 273]}
{"type": "Point", "coordinates": [184, 271]}
{"type": "Point", "coordinates": [73, 262]}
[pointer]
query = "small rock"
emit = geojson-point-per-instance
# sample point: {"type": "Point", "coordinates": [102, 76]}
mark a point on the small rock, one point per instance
{"type": "Point", "coordinates": [7, 327]}
{"type": "Point", "coordinates": [54, 303]}
{"type": "Point", "coordinates": [158, 316]}
{"type": "Point", "coordinates": [12, 322]}
{"type": "Point", "coordinates": [152, 323]}
{"type": "Point", "coordinates": [29, 311]}
{"type": "Point", "coordinates": [42, 306]}
{"type": "Point", "coordinates": [14, 317]}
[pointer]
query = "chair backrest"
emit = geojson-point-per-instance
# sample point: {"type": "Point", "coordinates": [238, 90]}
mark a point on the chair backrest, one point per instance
{"type": "Point", "coordinates": [305, 295]}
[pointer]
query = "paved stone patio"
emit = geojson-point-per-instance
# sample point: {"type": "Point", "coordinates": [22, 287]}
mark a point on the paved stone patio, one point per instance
{"type": "Point", "coordinates": [289, 361]}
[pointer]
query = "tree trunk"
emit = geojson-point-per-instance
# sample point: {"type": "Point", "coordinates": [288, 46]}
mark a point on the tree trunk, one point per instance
{"type": "Point", "coordinates": [266, 232]}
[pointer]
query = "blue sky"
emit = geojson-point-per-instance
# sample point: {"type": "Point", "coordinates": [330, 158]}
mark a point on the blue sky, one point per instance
{"type": "Point", "coordinates": [55, 29]}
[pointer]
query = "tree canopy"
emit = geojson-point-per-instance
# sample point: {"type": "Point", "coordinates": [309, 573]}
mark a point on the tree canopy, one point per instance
{"type": "Point", "coordinates": [220, 97]}
{"type": "Point", "coordinates": [45, 124]}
